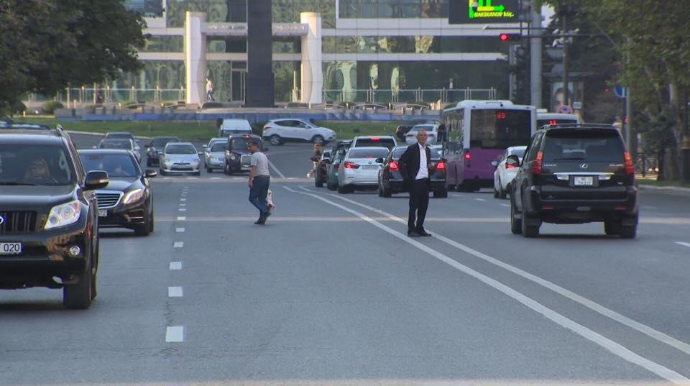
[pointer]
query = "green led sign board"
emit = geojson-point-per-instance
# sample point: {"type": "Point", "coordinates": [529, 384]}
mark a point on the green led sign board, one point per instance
{"type": "Point", "coordinates": [483, 11]}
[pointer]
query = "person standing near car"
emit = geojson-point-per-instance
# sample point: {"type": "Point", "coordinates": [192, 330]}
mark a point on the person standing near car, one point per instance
{"type": "Point", "coordinates": [259, 181]}
{"type": "Point", "coordinates": [414, 166]}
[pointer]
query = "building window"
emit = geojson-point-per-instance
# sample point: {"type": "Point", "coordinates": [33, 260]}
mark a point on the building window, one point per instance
{"type": "Point", "coordinates": [393, 9]}
{"type": "Point", "coordinates": [164, 44]}
{"type": "Point", "coordinates": [411, 44]}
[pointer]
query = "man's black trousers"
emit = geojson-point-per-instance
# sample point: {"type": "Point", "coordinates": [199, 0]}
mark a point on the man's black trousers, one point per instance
{"type": "Point", "coordinates": [419, 202]}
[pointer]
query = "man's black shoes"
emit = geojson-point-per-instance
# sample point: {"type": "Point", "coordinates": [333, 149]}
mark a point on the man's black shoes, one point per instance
{"type": "Point", "coordinates": [424, 233]}
{"type": "Point", "coordinates": [262, 218]}
{"type": "Point", "coordinates": [413, 234]}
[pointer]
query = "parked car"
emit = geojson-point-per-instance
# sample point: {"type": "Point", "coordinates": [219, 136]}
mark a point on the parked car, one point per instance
{"type": "Point", "coordinates": [573, 174]}
{"type": "Point", "coordinates": [48, 215]}
{"type": "Point", "coordinates": [154, 148]}
{"type": "Point", "coordinates": [321, 174]}
{"type": "Point", "coordinates": [279, 131]}
{"type": "Point", "coordinates": [374, 141]}
{"type": "Point", "coordinates": [126, 202]}
{"type": "Point", "coordinates": [360, 168]}
{"type": "Point", "coordinates": [402, 130]}
{"type": "Point", "coordinates": [126, 135]}
{"type": "Point", "coordinates": [214, 154]}
{"type": "Point", "coordinates": [234, 127]}
{"type": "Point", "coordinates": [390, 179]}
{"type": "Point", "coordinates": [237, 156]}
{"type": "Point", "coordinates": [180, 158]}
{"type": "Point", "coordinates": [431, 130]}
{"type": "Point", "coordinates": [505, 173]}
{"type": "Point", "coordinates": [121, 144]}
{"type": "Point", "coordinates": [337, 154]}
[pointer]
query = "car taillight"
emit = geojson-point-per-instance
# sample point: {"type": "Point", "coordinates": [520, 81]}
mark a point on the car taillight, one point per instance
{"type": "Point", "coordinates": [351, 165]}
{"type": "Point", "coordinates": [468, 156]}
{"type": "Point", "coordinates": [510, 166]}
{"type": "Point", "coordinates": [536, 165]}
{"type": "Point", "coordinates": [629, 167]}
{"type": "Point", "coordinates": [441, 166]}
{"type": "Point", "coordinates": [336, 167]}
{"type": "Point", "coordinates": [394, 166]}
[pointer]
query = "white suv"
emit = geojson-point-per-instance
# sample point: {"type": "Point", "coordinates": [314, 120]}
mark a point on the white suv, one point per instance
{"type": "Point", "coordinates": [278, 131]}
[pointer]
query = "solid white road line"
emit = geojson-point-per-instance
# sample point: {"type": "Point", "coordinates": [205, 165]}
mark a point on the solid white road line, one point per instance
{"type": "Point", "coordinates": [608, 344]}
{"type": "Point", "coordinates": [178, 244]}
{"type": "Point", "coordinates": [181, 218]}
{"type": "Point", "coordinates": [480, 199]}
{"type": "Point", "coordinates": [179, 230]}
{"type": "Point", "coordinates": [683, 244]}
{"type": "Point", "coordinates": [506, 205]}
{"type": "Point", "coordinates": [175, 265]}
{"type": "Point", "coordinates": [175, 292]}
{"type": "Point", "coordinates": [275, 169]}
{"type": "Point", "coordinates": [596, 307]}
{"type": "Point", "coordinates": [174, 334]}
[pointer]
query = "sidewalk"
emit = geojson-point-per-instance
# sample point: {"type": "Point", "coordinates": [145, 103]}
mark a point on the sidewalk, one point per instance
{"type": "Point", "coordinates": [676, 190]}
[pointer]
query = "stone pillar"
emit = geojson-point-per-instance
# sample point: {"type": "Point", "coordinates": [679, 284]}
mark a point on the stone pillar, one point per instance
{"type": "Point", "coordinates": [312, 68]}
{"type": "Point", "coordinates": [195, 57]}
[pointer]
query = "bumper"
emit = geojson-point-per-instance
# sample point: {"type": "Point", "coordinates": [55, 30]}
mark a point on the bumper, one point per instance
{"type": "Point", "coordinates": [583, 209]}
{"type": "Point", "coordinates": [215, 164]}
{"type": "Point", "coordinates": [237, 167]}
{"type": "Point", "coordinates": [369, 178]}
{"type": "Point", "coordinates": [45, 255]}
{"type": "Point", "coordinates": [180, 170]}
{"type": "Point", "coordinates": [124, 216]}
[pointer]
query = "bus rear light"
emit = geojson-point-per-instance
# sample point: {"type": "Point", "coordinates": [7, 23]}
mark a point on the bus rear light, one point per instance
{"type": "Point", "coordinates": [537, 163]}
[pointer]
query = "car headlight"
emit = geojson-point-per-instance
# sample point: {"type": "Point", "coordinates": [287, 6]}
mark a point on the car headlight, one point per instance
{"type": "Point", "coordinates": [134, 196]}
{"type": "Point", "coordinates": [64, 214]}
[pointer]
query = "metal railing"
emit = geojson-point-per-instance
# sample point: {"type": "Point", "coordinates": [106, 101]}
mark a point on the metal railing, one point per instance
{"type": "Point", "coordinates": [107, 95]}
{"type": "Point", "coordinates": [408, 95]}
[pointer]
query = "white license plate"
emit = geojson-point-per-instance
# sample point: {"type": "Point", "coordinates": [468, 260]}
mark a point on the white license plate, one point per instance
{"type": "Point", "coordinates": [10, 248]}
{"type": "Point", "coordinates": [370, 167]}
{"type": "Point", "coordinates": [102, 213]}
{"type": "Point", "coordinates": [583, 181]}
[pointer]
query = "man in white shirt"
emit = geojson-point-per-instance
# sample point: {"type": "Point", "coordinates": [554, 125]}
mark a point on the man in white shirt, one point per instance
{"type": "Point", "coordinates": [259, 181]}
{"type": "Point", "coordinates": [414, 167]}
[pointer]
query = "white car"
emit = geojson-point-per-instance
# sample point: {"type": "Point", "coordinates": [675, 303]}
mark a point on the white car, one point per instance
{"type": "Point", "coordinates": [279, 131]}
{"type": "Point", "coordinates": [180, 158]}
{"type": "Point", "coordinates": [234, 127]}
{"type": "Point", "coordinates": [431, 130]}
{"type": "Point", "coordinates": [359, 168]}
{"type": "Point", "coordinates": [214, 154]}
{"type": "Point", "coordinates": [505, 174]}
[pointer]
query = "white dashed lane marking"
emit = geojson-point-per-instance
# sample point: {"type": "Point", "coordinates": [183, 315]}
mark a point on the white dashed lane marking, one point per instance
{"type": "Point", "coordinates": [174, 334]}
{"type": "Point", "coordinates": [183, 205]}
{"type": "Point", "coordinates": [182, 210]}
{"type": "Point", "coordinates": [506, 205]}
{"type": "Point", "coordinates": [175, 265]}
{"type": "Point", "coordinates": [175, 292]}
{"type": "Point", "coordinates": [179, 230]}
{"type": "Point", "coordinates": [181, 218]}
{"type": "Point", "coordinates": [683, 244]}
{"type": "Point", "coordinates": [178, 244]}
{"type": "Point", "coordinates": [480, 199]}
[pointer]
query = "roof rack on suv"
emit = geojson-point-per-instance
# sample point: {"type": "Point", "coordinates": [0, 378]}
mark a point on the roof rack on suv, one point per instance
{"type": "Point", "coordinates": [59, 130]}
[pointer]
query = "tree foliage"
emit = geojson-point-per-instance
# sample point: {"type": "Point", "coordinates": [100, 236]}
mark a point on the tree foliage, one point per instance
{"type": "Point", "coordinates": [45, 45]}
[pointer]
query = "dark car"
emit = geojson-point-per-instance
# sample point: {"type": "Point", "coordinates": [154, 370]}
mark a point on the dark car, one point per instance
{"type": "Point", "coordinates": [155, 147]}
{"type": "Point", "coordinates": [574, 174]}
{"type": "Point", "coordinates": [127, 201]}
{"type": "Point", "coordinates": [337, 154]}
{"type": "Point", "coordinates": [391, 181]}
{"type": "Point", "coordinates": [320, 176]}
{"type": "Point", "coordinates": [237, 155]}
{"type": "Point", "coordinates": [48, 215]}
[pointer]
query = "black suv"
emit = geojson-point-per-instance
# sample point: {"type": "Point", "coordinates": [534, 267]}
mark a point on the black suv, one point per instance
{"type": "Point", "coordinates": [237, 155]}
{"type": "Point", "coordinates": [574, 174]}
{"type": "Point", "coordinates": [48, 214]}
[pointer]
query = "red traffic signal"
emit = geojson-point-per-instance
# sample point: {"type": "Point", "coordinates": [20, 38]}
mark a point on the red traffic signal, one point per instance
{"type": "Point", "coordinates": [509, 37]}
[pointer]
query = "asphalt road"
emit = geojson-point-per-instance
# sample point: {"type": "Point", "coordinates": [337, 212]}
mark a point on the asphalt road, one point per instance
{"type": "Point", "coordinates": [331, 291]}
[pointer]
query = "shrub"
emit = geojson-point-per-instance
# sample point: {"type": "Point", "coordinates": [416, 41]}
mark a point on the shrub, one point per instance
{"type": "Point", "coordinates": [18, 108]}
{"type": "Point", "coordinates": [50, 107]}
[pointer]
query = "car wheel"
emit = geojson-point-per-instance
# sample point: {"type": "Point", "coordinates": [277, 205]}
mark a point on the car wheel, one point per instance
{"type": "Point", "coordinates": [197, 173]}
{"type": "Point", "coordinates": [145, 228]}
{"type": "Point", "coordinates": [161, 171]}
{"type": "Point", "coordinates": [380, 190]}
{"type": "Point", "coordinates": [515, 223]}
{"type": "Point", "coordinates": [501, 192]}
{"type": "Point", "coordinates": [275, 140]}
{"type": "Point", "coordinates": [209, 170]}
{"type": "Point", "coordinates": [495, 191]}
{"type": "Point", "coordinates": [612, 227]}
{"type": "Point", "coordinates": [94, 278]}
{"type": "Point", "coordinates": [317, 140]}
{"type": "Point", "coordinates": [344, 189]}
{"type": "Point", "coordinates": [318, 182]}
{"type": "Point", "coordinates": [628, 231]}
{"type": "Point", "coordinates": [79, 295]}
{"type": "Point", "coordinates": [529, 231]}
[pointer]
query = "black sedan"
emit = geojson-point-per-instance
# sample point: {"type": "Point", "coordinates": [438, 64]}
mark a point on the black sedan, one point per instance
{"type": "Point", "coordinates": [126, 202]}
{"type": "Point", "coordinates": [155, 147]}
{"type": "Point", "coordinates": [391, 181]}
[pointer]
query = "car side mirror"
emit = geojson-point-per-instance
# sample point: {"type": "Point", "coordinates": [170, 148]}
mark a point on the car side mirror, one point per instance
{"type": "Point", "coordinates": [379, 160]}
{"type": "Point", "coordinates": [205, 146]}
{"type": "Point", "coordinates": [494, 163]}
{"type": "Point", "coordinates": [96, 179]}
{"type": "Point", "coordinates": [513, 160]}
{"type": "Point", "coordinates": [150, 173]}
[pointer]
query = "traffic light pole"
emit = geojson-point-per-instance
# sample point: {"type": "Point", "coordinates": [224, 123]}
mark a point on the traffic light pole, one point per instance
{"type": "Point", "coordinates": [566, 101]}
{"type": "Point", "coordinates": [536, 98]}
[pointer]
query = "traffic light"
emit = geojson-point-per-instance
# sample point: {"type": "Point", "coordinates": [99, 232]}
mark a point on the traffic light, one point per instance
{"type": "Point", "coordinates": [509, 37]}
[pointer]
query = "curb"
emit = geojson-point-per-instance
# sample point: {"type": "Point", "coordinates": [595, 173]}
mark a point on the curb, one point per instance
{"type": "Point", "coordinates": [665, 189]}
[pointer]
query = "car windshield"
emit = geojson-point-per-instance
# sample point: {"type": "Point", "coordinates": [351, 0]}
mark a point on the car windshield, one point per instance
{"type": "Point", "coordinates": [242, 143]}
{"type": "Point", "coordinates": [117, 165]}
{"type": "Point", "coordinates": [124, 144]}
{"type": "Point", "coordinates": [34, 165]}
{"type": "Point", "coordinates": [218, 147]}
{"type": "Point", "coordinates": [161, 142]}
{"type": "Point", "coordinates": [520, 152]}
{"type": "Point", "coordinates": [368, 153]}
{"type": "Point", "coordinates": [425, 127]}
{"type": "Point", "coordinates": [120, 136]}
{"type": "Point", "coordinates": [583, 145]}
{"type": "Point", "coordinates": [180, 149]}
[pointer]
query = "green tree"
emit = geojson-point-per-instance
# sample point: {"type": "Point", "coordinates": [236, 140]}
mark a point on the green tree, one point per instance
{"type": "Point", "coordinates": [46, 45]}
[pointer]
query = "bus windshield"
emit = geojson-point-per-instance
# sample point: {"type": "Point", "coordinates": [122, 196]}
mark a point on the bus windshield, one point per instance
{"type": "Point", "coordinates": [500, 128]}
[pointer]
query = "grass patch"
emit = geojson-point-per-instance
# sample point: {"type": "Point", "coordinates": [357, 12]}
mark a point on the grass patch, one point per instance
{"type": "Point", "coordinates": [204, 130]}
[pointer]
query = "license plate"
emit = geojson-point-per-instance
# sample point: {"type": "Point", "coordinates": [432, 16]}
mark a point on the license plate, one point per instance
{"type": "Point", "coordinates": [583, 181]}
{"type": "Point", "coordinates": [370, 167]}
{"type": "Point", "coordinates": [102, 213]}
{"type": "Point", "coordinates": [10, 248]}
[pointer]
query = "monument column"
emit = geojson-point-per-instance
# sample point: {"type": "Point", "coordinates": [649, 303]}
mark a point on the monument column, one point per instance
{"type": "Point", "coordinates": [312, 68]}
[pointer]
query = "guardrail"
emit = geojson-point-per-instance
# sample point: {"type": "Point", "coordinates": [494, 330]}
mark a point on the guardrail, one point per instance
{"type": "Point", "coordinates": [443, 95]}
{"type": "Point", "coordinates": [109, 95]}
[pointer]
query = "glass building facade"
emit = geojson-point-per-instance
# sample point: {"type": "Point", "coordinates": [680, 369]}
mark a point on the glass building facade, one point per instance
{"type": "Point", "coordinates": [379, 45]}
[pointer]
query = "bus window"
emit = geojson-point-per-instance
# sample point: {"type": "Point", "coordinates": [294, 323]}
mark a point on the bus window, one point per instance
{"type": "Point", "coordinates": [499, 128]}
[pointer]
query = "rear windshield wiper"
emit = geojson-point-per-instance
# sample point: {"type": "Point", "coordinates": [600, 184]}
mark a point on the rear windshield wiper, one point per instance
{"type": "Point", "coordinates": [10, 183]}
{"type": "Point", "coordinates": [569, 159]}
